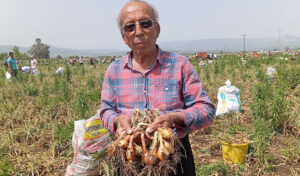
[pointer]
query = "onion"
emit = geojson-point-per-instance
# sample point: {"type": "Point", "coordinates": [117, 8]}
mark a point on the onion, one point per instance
{"type": "Point", "coordinates": [138, 149]}
{"type": "Point", "coordinates": [130, 153]}
{"type": "Point", "coordinates": [162, 152]}
{"type": "Point", "coordinates": [148, 157]}
{"type": "Point", "coordinates": [169, 146]}
{"type": "Point", "coordinates": [166, 133]}
{"type": "Point", "coordinates": [153, 146]}
{"type": "Point", "coordinates": [123, 143]}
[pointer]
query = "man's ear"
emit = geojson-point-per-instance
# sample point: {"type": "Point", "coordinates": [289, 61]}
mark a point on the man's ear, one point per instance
{"type": "Point", "coordinates": [157, 26]}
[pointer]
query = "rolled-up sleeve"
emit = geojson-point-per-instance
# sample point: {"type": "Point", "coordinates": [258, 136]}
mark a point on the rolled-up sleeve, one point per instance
{"type": "Point", "coordinates": [108, 102]}
{"type": "Point", "coordinates": [199, 110]}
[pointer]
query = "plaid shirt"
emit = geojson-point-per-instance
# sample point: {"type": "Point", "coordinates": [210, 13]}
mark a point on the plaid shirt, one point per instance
{"type": "Point", "coordinates": [170, 84]}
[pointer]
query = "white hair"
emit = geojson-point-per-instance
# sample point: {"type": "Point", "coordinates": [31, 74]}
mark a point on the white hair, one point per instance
{"type": "Point", "coordinates": [154, 12]}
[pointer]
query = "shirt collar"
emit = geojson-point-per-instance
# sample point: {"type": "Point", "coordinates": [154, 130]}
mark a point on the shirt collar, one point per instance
{"type": "Point", "coordinates": [128, 62]}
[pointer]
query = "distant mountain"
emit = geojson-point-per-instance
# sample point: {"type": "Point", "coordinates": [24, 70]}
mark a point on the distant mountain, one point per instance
{"type": "Point", "coordinates": [65, 52]}
{"type": "Point", "coordinates": [54, 51]}
{"type": "Point", "coordinates": [209, 45]}
{"type": "Point", "coordinates": [232, 44]}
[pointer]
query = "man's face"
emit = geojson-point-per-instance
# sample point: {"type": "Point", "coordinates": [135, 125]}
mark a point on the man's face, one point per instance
{"type": "Point", "coordinates": [11, 55]}
{"type": "Point", "coordinates": [140, 37]}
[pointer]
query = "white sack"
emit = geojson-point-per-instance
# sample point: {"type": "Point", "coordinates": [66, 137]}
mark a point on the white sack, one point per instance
{"type": "Point", "coordinates": [271, 71]}
{"type": "Point", "coordinates": [60, 70]}
{"type": "Point", "coordinates": [25, 69]}
{"type": "Point", "coordinates": [228, 99]}
{"type": "Point", "coordinates": [202, 63]}
{"type": "Point", "coordinates": [35, 72]}
{"type": "Point", "coordinates": [89, 137]}
{"type": "Point", "coordinates": [7, 75]}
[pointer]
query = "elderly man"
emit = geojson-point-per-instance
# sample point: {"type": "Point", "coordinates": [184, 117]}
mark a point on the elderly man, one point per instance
{"type": "Point", "coordinates": [149, 78]}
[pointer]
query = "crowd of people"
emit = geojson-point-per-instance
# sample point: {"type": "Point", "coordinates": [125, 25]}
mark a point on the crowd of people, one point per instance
{"type": "Point", "coordinates": [11, 63]}
{"type": "Point", "coordinates": [81, 60]}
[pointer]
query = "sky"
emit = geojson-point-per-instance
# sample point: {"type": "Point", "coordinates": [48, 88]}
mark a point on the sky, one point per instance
{"type": "Point", "coordinates": [91, 24]}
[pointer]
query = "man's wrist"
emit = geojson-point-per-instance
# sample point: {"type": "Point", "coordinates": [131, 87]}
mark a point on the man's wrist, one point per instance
{"type": "Point", "coordinates": [115, 120]}
{"type": "Point", "coordinates": [177, 118]}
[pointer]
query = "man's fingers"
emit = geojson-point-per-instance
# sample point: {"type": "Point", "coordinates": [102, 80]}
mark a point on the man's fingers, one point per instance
{"type": "Point", "coordinates": [119, 131]}
{"type": "Point", "coordinates": [149, 130]}
{"type": "Point", "coordinates": [153, 126]}
{"type": "Point", "coordinates": [149, 136]}
{"type": "Point", "coordinates": [127, 127]}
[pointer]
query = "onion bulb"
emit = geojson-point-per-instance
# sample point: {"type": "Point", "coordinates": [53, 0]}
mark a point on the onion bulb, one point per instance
{"type": "Point", "coordinates": [138, 149]}
{"type": "Point", "coordinates": [166, 133]}
{"type": "Point", "coordinates": [148, 157]}
{"type": "Point", "coordinates": [162, 152]}
{"type": "Point", "coordinates": [130, 153]}
{"type": "Point", "coordinates": [169, 146]}
{"type": "Point", "coordinates": [123, 143]}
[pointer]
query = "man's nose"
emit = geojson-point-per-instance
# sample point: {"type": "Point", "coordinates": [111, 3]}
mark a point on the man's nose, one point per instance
{"type": "Point", "coordinates": [138, 29]}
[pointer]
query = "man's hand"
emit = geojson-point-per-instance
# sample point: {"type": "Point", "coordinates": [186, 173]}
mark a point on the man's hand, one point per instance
{"type": "Point", "coordinates": [122, 124]}
{"type": "Point", "coordinates": [165, 120]}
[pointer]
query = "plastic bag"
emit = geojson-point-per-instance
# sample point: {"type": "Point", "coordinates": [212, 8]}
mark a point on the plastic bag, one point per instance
{"type": "Point", "coordinates": [89, 138]}
{"type": "Point", "coordinates": [202, 63]}
{"type": "Point", "coordinates": [35, 72]}
{"type": "Point", "coordinates": [271, 71]}
{"type": "Point", "coordinates": [243, 61]}
{"type": "Point", "coordinates": [228, 99]}
{"type": "Point", "coordinates": [25, 69]}
{"type": "Point", "coordinates": [60, 70]}
{"type": "Point", "coordinates": [8, 75]}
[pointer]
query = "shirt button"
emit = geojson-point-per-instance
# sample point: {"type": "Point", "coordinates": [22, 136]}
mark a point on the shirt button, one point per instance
{"type": "Point", "coordinates": [144, 91]}
{"type": "Point", "coordinates": [167, 88]}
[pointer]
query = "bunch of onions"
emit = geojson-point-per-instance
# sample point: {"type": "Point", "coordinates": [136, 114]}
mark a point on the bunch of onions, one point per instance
{"type": "Point", "coordinates": [162, 146]}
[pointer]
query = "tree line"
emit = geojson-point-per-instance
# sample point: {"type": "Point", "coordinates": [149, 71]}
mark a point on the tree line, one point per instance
{"type": "Point", "coordinates": [38, 50]}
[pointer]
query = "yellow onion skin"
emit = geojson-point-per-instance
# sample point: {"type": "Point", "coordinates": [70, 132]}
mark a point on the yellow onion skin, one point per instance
{"type": "Point", "coordinates": [123, 143]}
{"type": "Point", "coordinates": [169, 147]}
{"type": "Point", "coordinates": [150, 159]}
{"type": "Point", "coordinates": [138, 149]}
{"type": "Point", "coordinates": [130, 153]}
{"type": "Point", "coordinates": [130, 156]}
{"type": "Point", "coordinates": [162, 152]}
{"type": "Point", "coordinates": [166, 133]}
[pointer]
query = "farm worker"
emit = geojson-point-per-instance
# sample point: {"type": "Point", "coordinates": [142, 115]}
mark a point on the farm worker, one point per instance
{"type": "Point", "coordinates": [81, 60]}
{"type": "Point", "coordinates": [33, 63]}
{"type": "Point", "coordinates": [12, 64]}
{"type": "Point", "coordinates": [92, 61]}
{"type": "Point", "coordinates": [149, 78]}
{"type": "Point", "coordinates": [195, 56]}
{"type": "Point", "coordinates": [255, 55]}
{"type": "Point", "coordinates": [293, 57]}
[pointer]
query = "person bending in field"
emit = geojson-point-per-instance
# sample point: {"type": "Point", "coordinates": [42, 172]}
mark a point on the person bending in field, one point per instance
{"type": "Point", "coordinates": [149, 77]}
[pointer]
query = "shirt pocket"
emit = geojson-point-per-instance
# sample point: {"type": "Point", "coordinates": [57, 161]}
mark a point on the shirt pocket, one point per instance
{"type": "Point", "coordinates": [167, 94]}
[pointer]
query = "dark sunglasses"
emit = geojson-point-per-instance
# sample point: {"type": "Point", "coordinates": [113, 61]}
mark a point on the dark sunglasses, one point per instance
{"type": "Point", "coordinates": [143, 23]}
